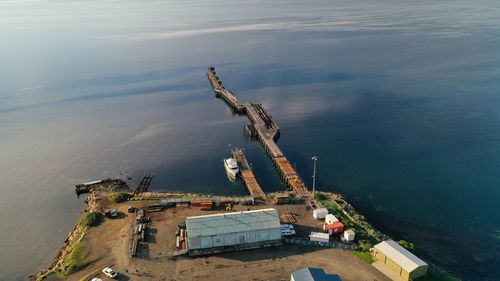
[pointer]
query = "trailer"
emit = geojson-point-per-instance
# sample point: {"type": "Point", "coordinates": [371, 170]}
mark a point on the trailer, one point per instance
{"type": "Point", "coordinates": [319, 237]}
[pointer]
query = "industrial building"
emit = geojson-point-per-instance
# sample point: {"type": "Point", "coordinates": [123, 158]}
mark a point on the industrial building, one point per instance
{"type": "Point", "coordinates": [320, 213]}
{"type": "Point", "coordinates": [398, 263]}
{"type": "Point", "coordinates": [313, 274]}
{"type": "Point", "coordinates": [349, 235]}
{"type": "Point", "coordinates": [319, 237]}
{"type": "Point", "coordinates": [334, 228]}
{"type": "Point", "coordinates": [233, 231]}
{"type": "Point", "coordinates": [329, 219]}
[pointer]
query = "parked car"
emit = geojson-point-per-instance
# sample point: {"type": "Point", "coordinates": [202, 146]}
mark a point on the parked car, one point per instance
{"type": "Point", "coordinates": [109, 272]}
{"type": "Point", "coordinates": [96, 279]}
{"type": "Point", "coordinates": [286, 226]}
{"type": "Point", "coordinates": [130, 209]}
{"type": "Point", "coordinates": [287, 232]}
{"type": "Point", "coordinates": [113, 213]}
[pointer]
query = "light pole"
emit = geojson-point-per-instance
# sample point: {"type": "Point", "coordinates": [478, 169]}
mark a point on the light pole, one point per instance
{"type": "Point", "coordinates": [314, 158]}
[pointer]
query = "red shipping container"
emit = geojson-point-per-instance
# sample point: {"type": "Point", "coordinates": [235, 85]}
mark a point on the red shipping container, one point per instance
{"type": "Point", "coordinates": [334, 228]}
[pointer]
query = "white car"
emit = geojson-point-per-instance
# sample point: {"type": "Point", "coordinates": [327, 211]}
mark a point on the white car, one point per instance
{"type": "Point", "coordinates": [286, 226]}
{"type": "Point", "coordinates": [287, 232]}
{"type": "Point", "coordinates": [96, 279]}
{"type": "Point", "coordinates": [109, 272]}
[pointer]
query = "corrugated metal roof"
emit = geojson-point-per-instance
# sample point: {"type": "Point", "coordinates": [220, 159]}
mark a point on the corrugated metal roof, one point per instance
{"type": "Point", "coordinates": [232, 222]}
{"type": "Point", "coordinates": [399, 255]}
{"type": "Point", "coordinates": [334, 225]}
{"type": "Point", "coordinates": [313, 274]}
{"type": "Point", "coordinates": [320, 211]}
{"type": "Point", "coordinates": [319, 235]}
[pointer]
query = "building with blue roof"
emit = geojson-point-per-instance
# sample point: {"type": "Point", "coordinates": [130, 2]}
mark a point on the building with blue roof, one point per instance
{"type": "Point", "coordinates": [313, 274]}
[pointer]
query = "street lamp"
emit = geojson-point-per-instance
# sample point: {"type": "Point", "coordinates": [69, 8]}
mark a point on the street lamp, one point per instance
{"type": "Point", "coordinates": [314, 158]}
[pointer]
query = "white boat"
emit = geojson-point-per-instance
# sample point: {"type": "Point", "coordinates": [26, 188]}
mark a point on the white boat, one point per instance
{"type": "Point", "coordinates": [231, 166]}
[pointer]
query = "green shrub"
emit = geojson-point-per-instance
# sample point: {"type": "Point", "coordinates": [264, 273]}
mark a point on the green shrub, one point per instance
{"type": "Point", "coordinates": [119, 197]}
{"type": "Point", "coordinates": [91, 219]}
{"type": "Point", "coordinates": [74, 261]}
{"type": "Point", "coordinates": [407, 245]}
{"type": "Point", "coordinates": [321, 197]}
{"type": "Point", "coordinates": [364, 256]}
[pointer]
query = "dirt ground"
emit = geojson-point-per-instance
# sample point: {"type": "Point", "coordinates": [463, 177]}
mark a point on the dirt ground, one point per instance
{"type": "Point", "coordinates": [108, 245]}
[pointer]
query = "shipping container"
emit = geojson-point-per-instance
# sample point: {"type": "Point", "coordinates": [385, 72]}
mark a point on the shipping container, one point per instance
{"type": "Point", "coordinates": [334, 228]}
{"type": "Point", "coordinates": [320, 213]}
{"type": "Point", "coordinates": [349, 235]}
{"type": "Point", "coordinates": [319, 237]}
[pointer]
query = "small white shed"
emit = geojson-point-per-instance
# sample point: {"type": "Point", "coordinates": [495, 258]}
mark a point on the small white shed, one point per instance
{"type": "Point", "coordinates": [319, 237]}
{"type": "Point", "coordinates": [329, 219]}
{"type": "Point", "coordinates": [349, 235]}
{"type": "Point", "coordinates": [320, 213]}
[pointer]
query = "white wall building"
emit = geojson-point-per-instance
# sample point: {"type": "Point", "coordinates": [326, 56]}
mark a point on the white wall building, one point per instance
{"type": "Point", "coordinates": [329, 219]}
{"type": "Point", "coordinates": [320, 213]}
{"type": "Point", "coordinates": [233, 231]}
{"type": "Point", "coordinates": [319, 237]}
{"type": "Point", "coordinates": [349, 235]}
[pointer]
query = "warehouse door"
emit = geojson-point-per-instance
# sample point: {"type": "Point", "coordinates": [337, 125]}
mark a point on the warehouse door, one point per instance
{"type": "Point", "coordinates": [241, 239]}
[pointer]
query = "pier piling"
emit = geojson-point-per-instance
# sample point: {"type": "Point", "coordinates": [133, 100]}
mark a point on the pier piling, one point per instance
{"type": "Point", "coordinates": [266, 130]}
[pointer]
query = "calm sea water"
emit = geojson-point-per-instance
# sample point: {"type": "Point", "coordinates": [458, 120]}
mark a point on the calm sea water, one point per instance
{"type": "Point", "coordinates": [398, 99]}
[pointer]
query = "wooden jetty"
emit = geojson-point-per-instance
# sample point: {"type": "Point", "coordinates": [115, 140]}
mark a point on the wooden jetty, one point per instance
{"type": "Point", "coordinates": [222, 92]}
{"type": "Point", "coordinates": [266, 130]}
{"type": "Point", "coordinates": [111, 185]}
{"type": "Point", "coordinates": [144, 185]}
{"type": "Point", "coordinates": [248, 176]}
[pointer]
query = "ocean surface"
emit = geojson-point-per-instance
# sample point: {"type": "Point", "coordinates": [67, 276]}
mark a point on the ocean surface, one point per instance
{"type": "Point", "coordinates": [399, 99]}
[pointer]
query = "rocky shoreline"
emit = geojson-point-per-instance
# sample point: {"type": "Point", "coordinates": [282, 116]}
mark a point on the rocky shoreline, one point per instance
{"type": "Point", "coordinates": [95, 193]}
{"type": "Point", "coordinates": [76, 235]}
{"type": "Point", "coordinates": [367, 234]}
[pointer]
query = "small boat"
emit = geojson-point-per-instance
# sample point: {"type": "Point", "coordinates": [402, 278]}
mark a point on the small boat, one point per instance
{"type": "Point", "coordinates": [231, 166]}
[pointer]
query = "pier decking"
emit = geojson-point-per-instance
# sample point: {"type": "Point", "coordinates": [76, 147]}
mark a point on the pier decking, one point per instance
{"type": "Point", "coordinates": [221, 92]}
{"type": "Point", "coordinates": [144, 185]}
{"type": "Point", "coordinates": [248, 176]}
{"type": "Point", "coordinates": [266, 130]}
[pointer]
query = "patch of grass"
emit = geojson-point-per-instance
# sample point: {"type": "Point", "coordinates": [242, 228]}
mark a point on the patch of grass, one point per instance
{"type": "Point", "coordinates": [321, 197]}
{"type": "Point", "coordinates": [91, 219]}
{"type": "Point", "coordinates": [364, 256]}
{"type": "Point", "coordinates": [119, 197]}
{"type": "Point", "coordinates": [74, 261]}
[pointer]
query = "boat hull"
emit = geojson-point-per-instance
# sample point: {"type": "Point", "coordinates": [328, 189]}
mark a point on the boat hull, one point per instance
{"type": "Point", "coordinates": [231, 172]}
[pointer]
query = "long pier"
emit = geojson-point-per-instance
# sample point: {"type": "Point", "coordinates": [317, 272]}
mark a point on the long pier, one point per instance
{"type": "Point", "coordinates": [267, 132]}
{"type": "Point", "coordinates": [247, 175]}
{"type": "Point", "coordinates": [222, 92]}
